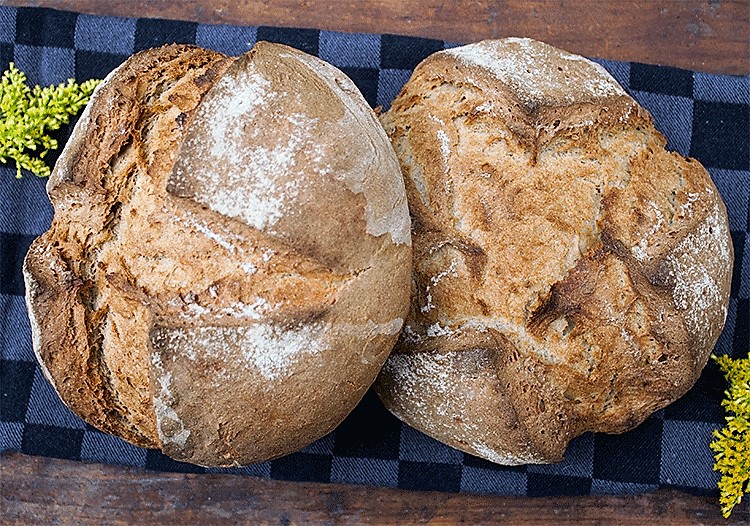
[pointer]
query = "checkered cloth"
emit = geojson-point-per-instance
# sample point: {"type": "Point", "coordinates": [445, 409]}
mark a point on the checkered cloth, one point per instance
{"type": "Point", "coordinates": [704, 116]}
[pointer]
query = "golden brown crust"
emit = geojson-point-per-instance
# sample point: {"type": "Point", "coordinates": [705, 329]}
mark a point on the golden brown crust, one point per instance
{"type": "Point", "coordinates": [554, 236]}
{"type": "Point", "coordinates": [67, 288]}
{"type": "Point", "coordinates": [223, 236]}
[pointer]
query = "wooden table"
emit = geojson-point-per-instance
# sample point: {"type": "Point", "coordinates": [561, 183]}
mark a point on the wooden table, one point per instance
{"type": "Point", "coordinates": [702, 35]}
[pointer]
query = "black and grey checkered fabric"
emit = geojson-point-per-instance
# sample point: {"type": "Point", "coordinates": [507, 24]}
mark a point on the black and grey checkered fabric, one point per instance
{"type": "Point", "coordinates": [704, 116]}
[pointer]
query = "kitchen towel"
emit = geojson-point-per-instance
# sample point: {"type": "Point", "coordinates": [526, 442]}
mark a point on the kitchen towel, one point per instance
{"type": "Point", "coordinates": [704, 116]}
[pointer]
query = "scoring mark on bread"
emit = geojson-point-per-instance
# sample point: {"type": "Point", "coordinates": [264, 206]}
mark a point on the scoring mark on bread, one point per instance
{"type": "Point", "coordinates": [271, 350]}
{"type": "Point", "coordinates": [89, 190]}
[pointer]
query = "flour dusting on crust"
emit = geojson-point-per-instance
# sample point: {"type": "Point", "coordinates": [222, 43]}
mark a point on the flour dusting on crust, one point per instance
{"type": "Point", "coordinates": [274, 351]}
{"type": "Point", "coordinates": [250, 183]}
{"type": "Point", "coordinates": [244, 93]}
{"type": "Point", "coordinates": [526, 66]}
{"type": "Point", "coordinates": [507, 459]}
{"type": "Point", "coordinates": [441, 395]}
{"type": "Point", "coordinates": [385, 204]}
{"type": "Point", "coordinates": [419, 376]}
{"type": "Point", "coordinates": [168, 424]}
{"type": "Point", "coordinates": [268, 349]}
{"type": "Point", "coordinates": [698, 289]}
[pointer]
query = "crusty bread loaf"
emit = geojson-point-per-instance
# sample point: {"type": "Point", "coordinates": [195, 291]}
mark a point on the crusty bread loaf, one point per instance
{"type": "Point", "coordinates": [570, 274]}
{"type": "Point", "coordinates": [229, 261]}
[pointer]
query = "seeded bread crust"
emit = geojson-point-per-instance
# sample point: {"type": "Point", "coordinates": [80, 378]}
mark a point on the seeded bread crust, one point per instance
{"type": "Point", "coordinates": [228, 264]}
{"type": "Point", "coordinates": [570, 274]}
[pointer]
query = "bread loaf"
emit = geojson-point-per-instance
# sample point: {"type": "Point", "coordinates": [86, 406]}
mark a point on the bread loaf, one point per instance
{"type": "Point", "coordinates": [570, 274]}
{"type": "Point", "coordinates": [229, 261]}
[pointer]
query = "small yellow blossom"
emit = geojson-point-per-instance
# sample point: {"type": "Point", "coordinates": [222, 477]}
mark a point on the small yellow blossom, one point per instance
{"type": "Point", "coordinates": [732, 443]}
{"type": "Point", "coordinates": [27, 116]}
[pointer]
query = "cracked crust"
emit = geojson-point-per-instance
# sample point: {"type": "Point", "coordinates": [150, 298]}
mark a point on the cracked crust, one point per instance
{"type": "Point", "coordinates": [213, 283]}
{"type": "Point", "coordinates": [570, 274]}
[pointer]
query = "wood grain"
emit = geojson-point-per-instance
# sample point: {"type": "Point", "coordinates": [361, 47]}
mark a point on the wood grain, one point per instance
{"type": "Point", "coordinates": [708, 35]}
{"type": "Point", "coordinates": [38, 490]}
{"type": "Point", "coordinates": [705, 35]}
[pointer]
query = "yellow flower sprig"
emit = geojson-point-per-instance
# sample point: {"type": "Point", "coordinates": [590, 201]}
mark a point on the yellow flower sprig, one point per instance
{"type": "Point", "coordinates": [732, 443]}
{"type": "Point", "coordinates": [27, 116]}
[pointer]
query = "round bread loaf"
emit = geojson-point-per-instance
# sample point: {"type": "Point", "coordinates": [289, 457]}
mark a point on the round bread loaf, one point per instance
{"type": "Point", "coordinates": [229, 261]}
{"type": "Point", "coordinates": [570, 274]}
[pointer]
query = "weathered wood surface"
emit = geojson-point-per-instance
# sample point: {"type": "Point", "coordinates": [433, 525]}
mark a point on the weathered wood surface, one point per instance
{"type": "Point", "coordinates": [706, 35]}
{"type": "Point", "coordinates": [38, 490]}
{"type": "Point", "coordinates": [696, 34]}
